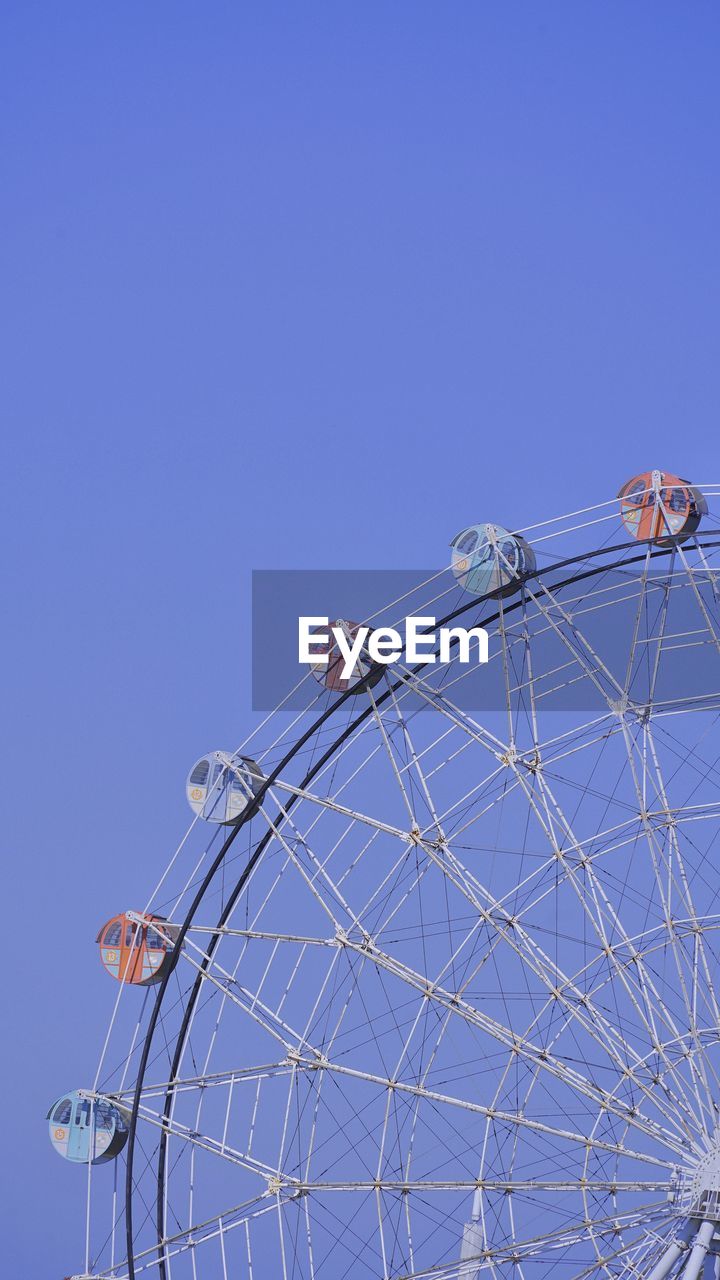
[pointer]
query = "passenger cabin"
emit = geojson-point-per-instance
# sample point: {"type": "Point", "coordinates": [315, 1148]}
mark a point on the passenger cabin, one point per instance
{"type": "Point", "coordinates": [659, 506]}
{"type": "Point", "coordinates": [220, 786]}
{"type": "Point", "coordinates": [487, 560]}
{"type": "Point", "coordinates": [86, 1129]}
{"type": "Point", "coordinates": [133, 951]}
{"type": "Point", "coordinates": [330, 673]}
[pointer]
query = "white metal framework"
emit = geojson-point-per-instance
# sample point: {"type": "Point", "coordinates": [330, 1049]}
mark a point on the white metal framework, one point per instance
{"type": "Point", "coordinates": [448, 1006]}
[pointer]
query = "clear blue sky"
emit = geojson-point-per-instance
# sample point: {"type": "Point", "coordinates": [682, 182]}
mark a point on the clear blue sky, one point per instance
{"type": "Point", "coordinates": [295, 285]}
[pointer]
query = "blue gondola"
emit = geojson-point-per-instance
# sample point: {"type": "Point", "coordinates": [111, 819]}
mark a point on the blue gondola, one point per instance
{"type": "Point", "coordinates": [83, 1128]}
{"type": "Point", "coordinates": [220, 786]}
{"type": "Point", "coordinates": [486, 558]}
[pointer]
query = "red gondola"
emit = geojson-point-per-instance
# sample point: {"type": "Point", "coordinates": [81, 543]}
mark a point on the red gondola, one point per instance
{"type": "Point", "coordinates": [660, 506]}
{"type": "Point", "coordinates": [330, 673]}
{"type": "Point", "coordinates": [133, 951]}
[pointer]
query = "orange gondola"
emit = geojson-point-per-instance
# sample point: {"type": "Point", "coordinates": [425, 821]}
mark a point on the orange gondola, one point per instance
{"type": "Point", "coordinates": [133, 951]}
{"type": "Point", "coordinates": [659, 506]}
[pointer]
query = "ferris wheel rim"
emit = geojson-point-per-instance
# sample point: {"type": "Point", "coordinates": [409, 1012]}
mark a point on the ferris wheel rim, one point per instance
{"type": "Point", "coordinates": [645, 549]}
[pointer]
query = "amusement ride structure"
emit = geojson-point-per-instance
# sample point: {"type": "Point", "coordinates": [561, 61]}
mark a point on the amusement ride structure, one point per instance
{"type": "Point", "coordinates": [431, 986]}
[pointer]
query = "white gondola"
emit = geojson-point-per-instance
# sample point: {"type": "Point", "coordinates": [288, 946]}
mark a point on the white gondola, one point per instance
{"type": "Point", "coordinates": [220, 786]}
{"type": "Point", "coordinates": [487, 559]}
{"type": "Point", "coordinates": [87, 1129]}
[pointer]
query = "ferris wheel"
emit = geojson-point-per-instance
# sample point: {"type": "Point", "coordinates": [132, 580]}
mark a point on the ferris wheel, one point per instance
{"type": "Point", "coordinates": [431, 986]}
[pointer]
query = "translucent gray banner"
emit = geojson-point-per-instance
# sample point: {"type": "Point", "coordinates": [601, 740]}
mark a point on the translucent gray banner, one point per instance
{"type": "Point", "coordinates": [571, 640]}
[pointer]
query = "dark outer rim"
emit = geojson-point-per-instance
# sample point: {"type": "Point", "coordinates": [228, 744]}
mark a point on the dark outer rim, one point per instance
{"type": "Point", "coordinates": [474, 603]}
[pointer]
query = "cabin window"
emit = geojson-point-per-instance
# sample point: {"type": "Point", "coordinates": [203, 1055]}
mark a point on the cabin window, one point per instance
{"type": "Point", "coordinates": [467, 542]}
{"type": "Point", "coordinates": [636, 493]}
{"type": "Point", "coordinates": [82, 1113]}
{"type": "Point", "coordinates": [154, 941]}
{"type": "Point", "coordinates": [199, 775]}
{"type": "Point", "coordinates": [130, 932]}
{"type": "Point", "coordinates": [103, 1116]}
{"type": "Point", "coordinates": [62, 1112]}
{"type": "Point", "coordinates": [113, 934]}
{"type": "Point", "coordinates": [676, 500]}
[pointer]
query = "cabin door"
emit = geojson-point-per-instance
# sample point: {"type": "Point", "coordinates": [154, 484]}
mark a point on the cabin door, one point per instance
{"type": "Point", "coordinates": [131, 960]}
{"type": "Point", "coordinates": [214, 810]}
{"type": "Point", "coordinates": [79, 1136]}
